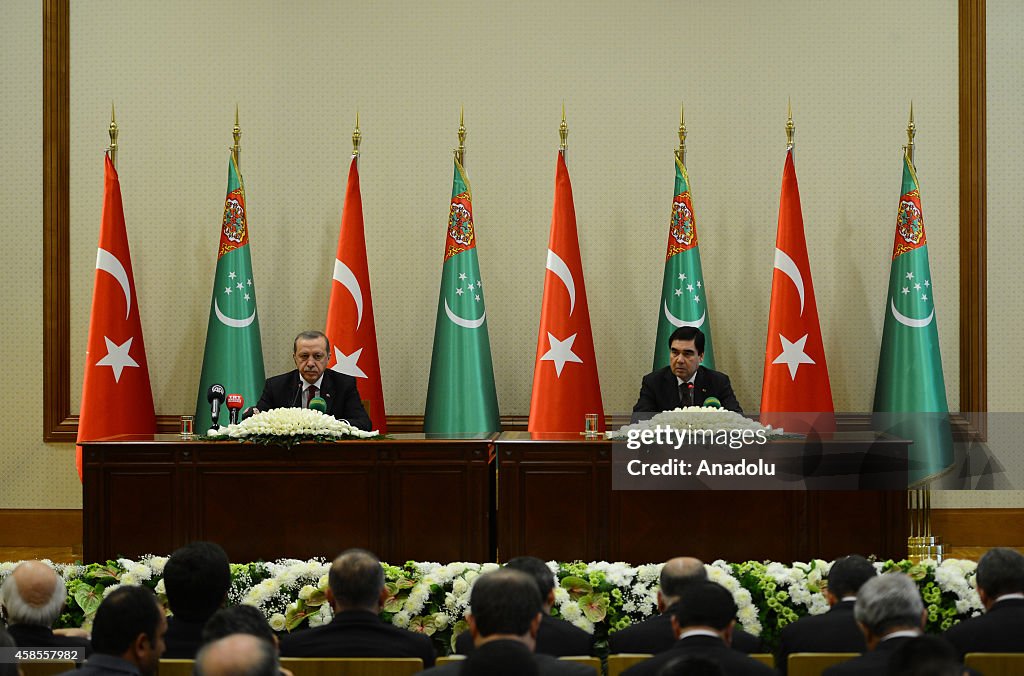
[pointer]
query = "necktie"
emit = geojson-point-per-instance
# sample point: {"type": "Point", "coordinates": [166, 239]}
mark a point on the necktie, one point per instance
{"type": "Point", "coordinates": [310, 394]}
{"type": "Point", "coordinates": [684, 395]}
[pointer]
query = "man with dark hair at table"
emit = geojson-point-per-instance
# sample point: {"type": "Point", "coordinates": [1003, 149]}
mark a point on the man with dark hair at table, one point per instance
{"type": "Point", "coordinates": [556, 636]}
{"type": "Point", "coordinates": [127, 635]}
{"type": "Point", "coordinates": [311, 379]}
{"type": "Point", "coordinates": [655, 635]}
{"type": "Point", "coordinates": [504, 621]}
{"type": "Point", "coordinates": [241, 619]}
{"type": "Point", "coordinates": [926, 655]}
{"type": "Point", "coordinates": [890, 613]}
{"type": "Point", "coordinates": [1000, 579]}
{"type": "Point", "coordinates": [32, 598]}
{"type": "Point", "coordinates": [356, 592]}
{"type": "Point", "coordinates": [197, 578]}
{"type": "Point", "coordinates": [237, 655]}
{"type": "Point", "coordinates": [703, 622]}
{"type": "Point", "coordinates": [684, 382]}
{"type": "Point", "coordinates": [835, 631]}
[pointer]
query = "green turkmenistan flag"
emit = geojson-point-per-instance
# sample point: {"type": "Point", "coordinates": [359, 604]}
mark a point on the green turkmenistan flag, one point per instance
{"type": "Point", "coordinates": [683, 293]}
{"type": "Point", "coordinates": [233, 356]}
{"type": "Point", "coordinates": [910, 385]}
{"type": "Point", "coordinates": [461, 398]}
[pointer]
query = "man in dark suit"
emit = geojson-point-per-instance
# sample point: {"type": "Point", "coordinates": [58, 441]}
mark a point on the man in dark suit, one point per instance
{"type": "Point", "coordinates": [504, 626]}
{"type": "Point", "coordinates": [556, 636]}
{"type": "Point", "coordinates": [836, 631]}
{"type": "Point", "coordinates": [1000, 578]}
{"type": "Point", "coordinates": [655, 635]}
{"type": "Point", "coordinates": [355, 592]}
{"type": "Point", "coordinates": [32, 598]}
{"type": "Point", "coordinates": [197, 578]}
{"type": "Point", "coordinates": [684, 382]}
{"type": "Point", "coordinates": [703, 622]}
{"type": "Point", "coordinates": [127, 635]}
{"type": "Point", "coordinates": [311, 379]}
{"type": "Point", "coordinates": [890, 613]}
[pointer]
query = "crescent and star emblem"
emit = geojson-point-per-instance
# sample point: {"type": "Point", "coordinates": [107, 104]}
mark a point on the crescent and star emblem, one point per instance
{"type": "Point", "coordinates": [233, 323]}
{"type": "Point", "coordinates": [463, 322]}
{"type": "Point", "coordinates": [785, 265]}
{"type": "Point", "coordinates": [344, 276]}
{"type": "Point", "coordinates": [109, 263]}
{"type": "Point", "coordinates": [676, 321]}
{"type": "Point", "coordinates": [910, 321]}
{"type": "Point", "coordinates": [561, 270]}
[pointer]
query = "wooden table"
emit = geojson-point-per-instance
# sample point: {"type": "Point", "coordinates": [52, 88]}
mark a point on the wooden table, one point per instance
{"type": "Point", "coordinates": [412, 497]}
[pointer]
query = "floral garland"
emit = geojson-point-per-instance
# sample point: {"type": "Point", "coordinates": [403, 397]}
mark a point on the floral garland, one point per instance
{"type": "Point", "coordinates": [700, 418]}
{"type": "Point", "coordinates": [289, 426]}
{"type": "Point", "coordinates": [599, 597]}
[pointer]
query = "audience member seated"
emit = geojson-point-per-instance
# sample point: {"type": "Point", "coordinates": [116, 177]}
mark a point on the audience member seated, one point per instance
{"type": "Point", "coordinates": [703, 623]}
{"type": "Point", "coordinates": [197, 578]}
{"type": "Point", "coordinates": [836, 631]}
{"type": "Point", "coordinates": [556, 636]}
{"type": "Point", "coordinates": [1000, 578]}
{"type": "Point", "coordinates": [238, 620]}
{"type": "Point", "coordinates": [8, 667]}
{"type": "Point", "coordinates": [654, 635]}
{"type": "Point", "coordinates": [32, 598]}
{"type": "Point", "coordinates": [890, 613]}
{"type": "Point", "coordinates": [925, 656]}
{"type": "Point", "coordinates": [237, 655]}
{"type": "Point", "coordinates": [504, 622]}
{"type": "Point", "coordinates": [127, 635]}
{"type": "Point", "coordinates": [691, 665]}
{"type": "Point", "coordinates": [355, 592]}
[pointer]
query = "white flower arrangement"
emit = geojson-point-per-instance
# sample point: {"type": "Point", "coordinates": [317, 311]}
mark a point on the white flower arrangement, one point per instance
{"type": "Point", "coordinates": [700, 418]}
{"type": "Point", "coordinates": [290, 423]}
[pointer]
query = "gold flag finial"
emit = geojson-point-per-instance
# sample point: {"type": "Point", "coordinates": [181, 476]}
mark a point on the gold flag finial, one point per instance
{"type": "Point", "coordinates": [112, 130]}
{"type": "Point", "coordinates": [356, 137]}
{"type": "Point", "coordinates": [790, 127]}
{"type": "Point", "coordinates": [460, 152]}
{"type": "Point", "coordinates": [911, 131]}
{"type": "Point", "coordinates": [236, 150]}
{"type": "Point", "coordinates": [681, 152]}
{"type": "Point", "coordinates": [563, 132]}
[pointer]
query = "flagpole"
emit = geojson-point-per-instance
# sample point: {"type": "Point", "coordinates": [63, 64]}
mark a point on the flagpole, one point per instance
{"type": "Point", "coordinates": [236, 150]}
{"type": "Point", "coordinates": [563, 134]}
{"type": "Point", "coordinates": [681, 152]}
{"type": "Point", "coordinates": [357, 137]}
{"type": "Point", "coordinates": [911, 131]}
{"type": "Point", "coordinates": [460, 152]}
{"type": "Point", "coordinates": [790, 127]}
{"type": "Point", "coordinates": [112, 130]}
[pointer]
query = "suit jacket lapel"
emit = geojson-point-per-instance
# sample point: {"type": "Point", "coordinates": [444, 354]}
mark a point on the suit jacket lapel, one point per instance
{"type": "Point", "coordinates": [327, 391]}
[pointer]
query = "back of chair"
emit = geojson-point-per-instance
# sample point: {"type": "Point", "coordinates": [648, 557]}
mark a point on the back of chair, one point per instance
{"type": "Point", "coordinates": [353, 666]}
{"type": "Point", "coordinates": [592, 662]}
{"type": "Point", "coordinates": [619, 663]}
{"type": "Point", "coordinates": [446, 659]}
{"type": "Point", "coordinates": [46, 668]}
{"type": "Point", "coordinates": [812, 664]}
{"type": "Point", "coordinates": [766, 659]}
{"type": "Point", "coordinates": [175, 667]}
{"type": "Point", "coordinates": [996, 664]}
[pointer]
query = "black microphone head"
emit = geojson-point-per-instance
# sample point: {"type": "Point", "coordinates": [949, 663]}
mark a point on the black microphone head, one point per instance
{"type": "Point", "coordinates": [216, 391]}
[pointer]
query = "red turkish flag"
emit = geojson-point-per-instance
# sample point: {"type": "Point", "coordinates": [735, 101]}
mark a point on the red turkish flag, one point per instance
{"type": "Point", "coordinates": [795, 372]}
{"type": "Point", "coordinates": [565, 383]}
{"type": "Point", "coordinates": [116, 395]}
{"type": "Point", "coordinates": [350, 326]}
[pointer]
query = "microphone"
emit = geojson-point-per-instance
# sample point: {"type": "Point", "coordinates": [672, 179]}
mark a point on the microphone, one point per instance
{"type": "Point", "coordinates": [689, 391]}
{"type": "Point", "coordinates": [297, 399]}
{"type": "Point", "coordinates": [215, 395]}
{"type": "Point", "coordinates": [235, 402]}
{"type": "Point", "coordinates": [318, 404]}
{"type": "Point", "coordinates": [712, 402]}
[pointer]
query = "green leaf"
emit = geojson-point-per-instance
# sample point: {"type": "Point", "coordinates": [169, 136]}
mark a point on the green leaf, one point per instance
{"type": "Point", "coordinates": [576, 586]}
{"type": "Point", "coordinates": [89, 598]}
{"type": "Point", "coordinates": [594, 606]}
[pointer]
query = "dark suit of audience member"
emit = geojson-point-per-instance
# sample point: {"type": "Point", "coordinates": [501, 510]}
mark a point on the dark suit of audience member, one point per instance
{"type": "Point", "coordinates": [32, 598]}
{"type": "Point", "coordinates": [504, 626]}
{"type": "Point", "coordinates": [1000, 578]}
{"type": "Point", "coordinates": [655, 635]}
{"type": "Point", "coordinates": [890, 613]}
{"type": "Point", "coordinates": [197, 578]}
{"type": "Point", "coordinates": [836, 631]}
{"type": "Point", "coordinates": [127, 635]}
{"type": "Point", "coordinates": [666, 388]}
{"type": "Point", "coordinates": [556, 636]}
{"type": "Point", "coordinates": [355, 592]}
{"type": "Point", "coordinates": [703, 620]}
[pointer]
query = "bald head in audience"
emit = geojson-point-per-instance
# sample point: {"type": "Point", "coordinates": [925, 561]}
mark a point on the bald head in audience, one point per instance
{"type": "Point", "coordinates": [33, 595]}
{"type": "Point", "coordinates": [676, 575]}
{"type": "Point", "coordinates": [237, 655]}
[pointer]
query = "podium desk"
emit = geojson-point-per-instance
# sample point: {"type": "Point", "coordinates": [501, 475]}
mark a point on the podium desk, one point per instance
{"type": "Point", "coordinates": [407, 498]}
{"type": "Point", "coordinates": [555, 501]}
